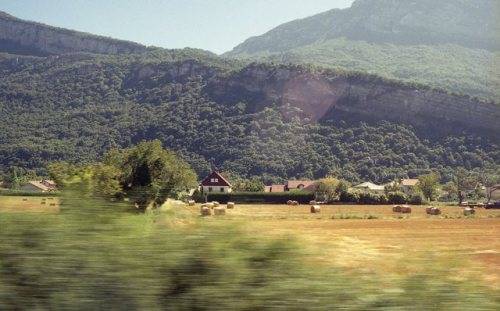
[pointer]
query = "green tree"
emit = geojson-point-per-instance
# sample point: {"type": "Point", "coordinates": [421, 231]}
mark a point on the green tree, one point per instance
{"type": "Point", "coordinates": [428, 184]}
{"type": "Point", "coordinates": [327, 188]}
{"type": "Point", "coordinates": [62, 172]}
{"type": "Point", "coordinates": [16, 176]}
{"type": "Point", "coordinates": [451, 189]}
{"type": "Point", "coordinates": [254, 185]}
{"type": "Point", "coordinates": [150, 174]}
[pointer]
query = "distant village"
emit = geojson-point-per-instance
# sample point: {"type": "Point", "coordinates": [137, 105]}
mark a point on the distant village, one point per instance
{"type": "Point", "coordinates": [217, 183]}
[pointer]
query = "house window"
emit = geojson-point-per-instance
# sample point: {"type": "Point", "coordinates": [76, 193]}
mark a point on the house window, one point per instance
{"type": "Point", "coordinates": [221, 189]}
{"type": "Point", "coordinates": [209, 189]}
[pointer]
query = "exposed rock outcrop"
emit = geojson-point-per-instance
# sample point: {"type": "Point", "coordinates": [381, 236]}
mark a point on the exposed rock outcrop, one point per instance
{"type": "Point", "coordinates": [320, 95]}
{"type": "Point", "coordinates": [29, 38]}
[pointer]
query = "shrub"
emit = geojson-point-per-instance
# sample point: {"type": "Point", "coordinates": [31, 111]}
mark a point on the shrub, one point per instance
{"type": "Point", "coordinates": [397, 197]}
{"type": "Point", "coordinates": [372, 198]}
{"type": "Point", "coordinates": [261, 197]}
{"type": "Point", "coordinates": [417, 199]}
{"type": "Point", "coordinates": [349, 197]}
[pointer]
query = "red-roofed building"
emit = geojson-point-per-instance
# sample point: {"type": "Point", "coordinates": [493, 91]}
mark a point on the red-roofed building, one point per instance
{"type": "Point", "coordinates": [408, 185]}
{"type": "Point", "coordinates": [215, 182]}
{"type": "Point", "coordinates": [306, 185]}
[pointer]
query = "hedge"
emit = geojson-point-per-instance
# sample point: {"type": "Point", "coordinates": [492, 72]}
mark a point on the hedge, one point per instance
{"type": "Point", "coordinates": [260, 197]}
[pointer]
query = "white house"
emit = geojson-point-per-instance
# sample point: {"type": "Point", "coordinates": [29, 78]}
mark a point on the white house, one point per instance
{"type": "Point", "coordinates": [215, 182]}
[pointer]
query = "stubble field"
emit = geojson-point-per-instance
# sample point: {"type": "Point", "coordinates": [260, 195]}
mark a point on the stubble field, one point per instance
{"type": "Point", "coordinates": [373, 239]}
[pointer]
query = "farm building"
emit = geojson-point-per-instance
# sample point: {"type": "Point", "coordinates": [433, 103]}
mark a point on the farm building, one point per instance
{"type": "Point", "coordinates": [215, 182]}
{"type": "Point", "coordinates": [306, 185]}
{"type": "Point", "coordinates": [275, 188]}
{"type": "Point", "coordinates": [370, 187]}
{"type": "Point", "coordinates": [408, 185]}
{"type": "Point", "coordinates": [39, 186]}
{"type": "Point", "coordinates": [492, 192]}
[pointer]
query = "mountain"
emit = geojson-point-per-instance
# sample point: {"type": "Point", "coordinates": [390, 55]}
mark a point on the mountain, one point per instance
{"type": "Point", "coordinates": [267, 120]}
{"type": "Point", "coordinates": [450, 43]}
{"type": "Point", "coordinates": [28, 38]}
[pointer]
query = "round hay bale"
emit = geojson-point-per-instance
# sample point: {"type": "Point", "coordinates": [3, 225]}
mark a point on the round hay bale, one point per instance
{"type": "Point", "coordinates": [469, 211]}
{"type": "Point", "coordinates": [205, 211]}
{"type": "Point", "coordinates": [43, 202]}
{"type": "Point", "coordinates": [204, 205]}
{"type": "Point", "coordinates": [396, 209]}
{"type": "Point", "coordinates": [210, 205]}
{"type": "Point", "coordinates": [405, 209]}
{"type": "Point", "coordinates": [44, 199]}
{"type": "Point", "coordinates": [230, 205]}
{"type": "Point", "coordinates": [295, 203]}
{"type": "Point", "coordinates": [289, 202]}
{"type": "Point", "coordinates": [25, 199]}
{"type": "Point", "coordinates": [435, 211]}
{"type": "Point", "coordinates": [215, 203]}
{"type": "Point", "coordinates": [191, 203]}
{"type": "Point", "coordinates": [428, 210]}
{"type": "Point", "coordinates": [315, 209]}
{"type": "Point", "coordinates": [52, 204]}
{"type": "Point", "coordinates": [313, 202]}
{"type": "Point", "coordinates": [219, 211]}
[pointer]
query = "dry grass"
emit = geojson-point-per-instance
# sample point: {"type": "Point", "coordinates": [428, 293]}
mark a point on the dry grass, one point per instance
{"type": "Point", "coordinates": [464, 247]}
{"type": "Point", "coordinates": [28, 204]}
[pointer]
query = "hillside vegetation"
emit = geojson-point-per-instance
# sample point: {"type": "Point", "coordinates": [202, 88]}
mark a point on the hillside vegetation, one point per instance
{"type": "Point", "coordinates": [451, 44]}
{"type": "Point", "coordinates": [217, 114]}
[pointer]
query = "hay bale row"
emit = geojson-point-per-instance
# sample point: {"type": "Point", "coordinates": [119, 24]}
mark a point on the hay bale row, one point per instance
{"type": "Point", "coordinates": [468, 211]}
{"type": "Point", "coordinates": [405, 209]}
{"type": "Point", "coordinates": [219, 211]}
{"type": "Point", "coordinates": [205, 211]}
{"type": "Point", "coordinates": [315, 209]}
{"type": "Point", "coordinates": [431, 210]}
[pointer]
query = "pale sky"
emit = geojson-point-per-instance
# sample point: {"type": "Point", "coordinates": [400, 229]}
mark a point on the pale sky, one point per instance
{"type": "Point", "coordinates": [214, 25]}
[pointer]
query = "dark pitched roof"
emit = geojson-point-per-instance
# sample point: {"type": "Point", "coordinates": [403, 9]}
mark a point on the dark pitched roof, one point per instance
{"type": "Point", "coordinates": [216, 180]}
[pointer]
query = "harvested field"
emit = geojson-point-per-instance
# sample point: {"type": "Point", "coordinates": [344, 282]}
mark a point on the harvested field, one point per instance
{"type": "Point", "coordinates": [28, 204]}
{"type": "Point", "coordinates": [374, 239]}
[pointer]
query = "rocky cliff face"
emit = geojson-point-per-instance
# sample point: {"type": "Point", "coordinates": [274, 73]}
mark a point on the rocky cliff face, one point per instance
{"type": "Point", "coordinates": [469, 23]}
{"type": "Point", "coordinates": [22, 37]}
{"type": "Point", "coordinates": [320, 95]}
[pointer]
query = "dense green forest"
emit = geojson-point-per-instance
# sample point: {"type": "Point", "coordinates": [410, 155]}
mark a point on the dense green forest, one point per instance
{"type": "Point", "coordinates": [460, 69]}
{"type": "Point", "coordinates": [75, 107]}
{"type": "Point", "coordinates": [451, 43]}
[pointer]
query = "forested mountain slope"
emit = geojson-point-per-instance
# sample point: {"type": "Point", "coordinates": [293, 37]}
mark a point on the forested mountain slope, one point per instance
{"type": "Point", "coordinates": [450, 43]}
{"type": "Point", "coordinates": [272, 121]}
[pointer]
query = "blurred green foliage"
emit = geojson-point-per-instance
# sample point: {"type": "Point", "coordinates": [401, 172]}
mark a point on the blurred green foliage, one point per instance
{"type": "Point", "coordinates": [95, 255]}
